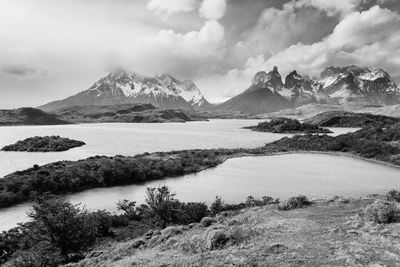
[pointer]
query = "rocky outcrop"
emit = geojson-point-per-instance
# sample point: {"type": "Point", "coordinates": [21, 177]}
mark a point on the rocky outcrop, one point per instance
{"type": "Point", "coordinates": [261, 97]}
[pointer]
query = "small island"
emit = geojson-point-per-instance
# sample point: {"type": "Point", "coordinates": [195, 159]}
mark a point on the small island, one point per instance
{"type": "Point", "coordinates": [285, 125]}
{"type": "Point", "coordinates": [44, 144]}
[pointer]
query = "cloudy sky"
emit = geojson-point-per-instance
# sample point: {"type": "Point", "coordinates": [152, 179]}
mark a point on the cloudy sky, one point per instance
{"type": "Point", "coordinates": [52, 49]}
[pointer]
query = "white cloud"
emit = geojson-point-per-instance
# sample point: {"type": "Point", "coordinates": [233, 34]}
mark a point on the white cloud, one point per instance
{"type": "Point", "coordinates": [213, 9]}
{"type": "Point", "coordinates": [21, 61]}
{"type": "Point", "coordinates": [221, 87]}
{"type": "Point", "coordinates": [375, 30]}
{"type": "Point", "coordinates": [172, 6]}
{"type": "Point", "coordinates": [203, 43]}
{"type": "Point", "coordinates": [180, 54]}
{"type": "Point", "coordinates": [341, 7]}
{"type": "Point", "coordinates": [369, 38]}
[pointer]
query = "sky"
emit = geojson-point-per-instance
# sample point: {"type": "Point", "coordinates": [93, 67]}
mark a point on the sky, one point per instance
{"type": "Point", "coordinates": [50, 49]}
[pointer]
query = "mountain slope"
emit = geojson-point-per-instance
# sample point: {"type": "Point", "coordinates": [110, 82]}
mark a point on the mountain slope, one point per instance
{"type": "Point", "coordinates": [261, 97]}
{"type": "Point", "coordinates": [305, 91]}
{"type": "Point", "coordinates": [121, 87]}
{"type": "Point", "coordinates": [360, 84]}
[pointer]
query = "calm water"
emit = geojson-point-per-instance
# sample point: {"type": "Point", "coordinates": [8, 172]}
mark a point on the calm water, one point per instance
{"type": "Point", "coordinates": [314, 175]}
{"type": "Point", "coordinates": [130, 139]}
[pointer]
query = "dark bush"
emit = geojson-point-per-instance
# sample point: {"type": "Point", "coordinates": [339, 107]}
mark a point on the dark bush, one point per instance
{"type": "Point", "coordinates": [129, 208]}
{"type": "Point", "coordinates": [67, 228]}
{"type": "Point", "coordinates": [193, 212]}
{"type": "Point", "coordinates": [103, 222]}
{"type": "Point", "coordinates": [217, 206]}
{"type": "Point", "coordinates": [162, 204]}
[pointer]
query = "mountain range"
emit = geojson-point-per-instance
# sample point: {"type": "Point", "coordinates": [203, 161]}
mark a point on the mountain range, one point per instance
{"type": "Point", "coordinates": [337, 86]}
{"type": "Point", "coordinates": [122, 87]}
{"type": "Point", "coordinates": [266, 93]}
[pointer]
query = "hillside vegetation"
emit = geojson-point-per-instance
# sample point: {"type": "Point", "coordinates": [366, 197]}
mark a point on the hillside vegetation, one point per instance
{"type": "Point", "coordinates": [129, 113]}
{"type": "Point", "coordinates": [284, 125]}
{"type": "Point", "coordinates": [351, 119]}
{"type": "Point", "coordinates": [28, 116]}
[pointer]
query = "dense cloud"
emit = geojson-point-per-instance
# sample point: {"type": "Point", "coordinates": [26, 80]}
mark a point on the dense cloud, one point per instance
{"type": "Point", "coordinates": [219, 44]}
{"type": "Point", "coordinates": [369, 37]}
{"type": "Point", "coordinates": [213, 9]}
{"type": "Point", "coordinates": [172, 6]}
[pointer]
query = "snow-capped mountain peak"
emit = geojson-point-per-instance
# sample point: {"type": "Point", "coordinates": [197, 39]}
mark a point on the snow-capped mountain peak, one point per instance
{"type": "Point", "coordinates": [360, 84]}
{"type": "Point", "coordinates": [338, 85]}
{"type": "Point", "coordinates": [123, 87]}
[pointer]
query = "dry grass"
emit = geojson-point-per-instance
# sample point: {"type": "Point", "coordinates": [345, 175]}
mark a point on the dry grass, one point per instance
{"type": "Point", "coordinates": [325, 233]}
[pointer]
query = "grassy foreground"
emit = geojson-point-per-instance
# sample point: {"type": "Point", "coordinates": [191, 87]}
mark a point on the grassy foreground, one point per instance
{"type": "Point", "coordinates": [328, 233]}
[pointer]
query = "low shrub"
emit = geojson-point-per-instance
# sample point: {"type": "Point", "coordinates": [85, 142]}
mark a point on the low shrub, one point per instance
{"type": "Point", "coordinates": [383, 212]}
{"type": "Point", "coordinates": [218, 238]}
{"type": "Point", "coordinates": [393, 195]}
{"type": "Point", "coordinates": [295, 203]}
{"type": "Point", "coordinates": [219, 206]}
{"type": "Point", "coordinates": [207, 221]}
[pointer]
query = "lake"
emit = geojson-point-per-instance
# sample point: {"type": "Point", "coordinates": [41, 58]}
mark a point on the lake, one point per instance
{"type": "Point", "coordinates": [128, 139]}
{"type": "Point", "coordinates": [283, 176]}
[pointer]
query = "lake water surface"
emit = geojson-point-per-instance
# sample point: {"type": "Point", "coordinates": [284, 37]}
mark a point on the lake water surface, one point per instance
{"type": "Point", "coordinates": [283, 176]}
{"type": "Point", "coordinates": [127, 139]}
{"type": "Point", "coordinates": [279, 176]}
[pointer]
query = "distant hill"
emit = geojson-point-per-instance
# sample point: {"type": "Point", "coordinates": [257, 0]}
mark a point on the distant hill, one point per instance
{"type": "Point", "coordinates": [122, 87]}
{"type": "Point", "coordinates": [28, 116]}
{"type": "Point", "coordinates": [393, 110]}
{"type": "Point", "coordinates": [285, 125]}
{"type": "Point", "coordinates": [350, 119]}
{"type": "Point", "coordinates": [130, 113]}
{"type": "Point", "coordinates": [337, 86]}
